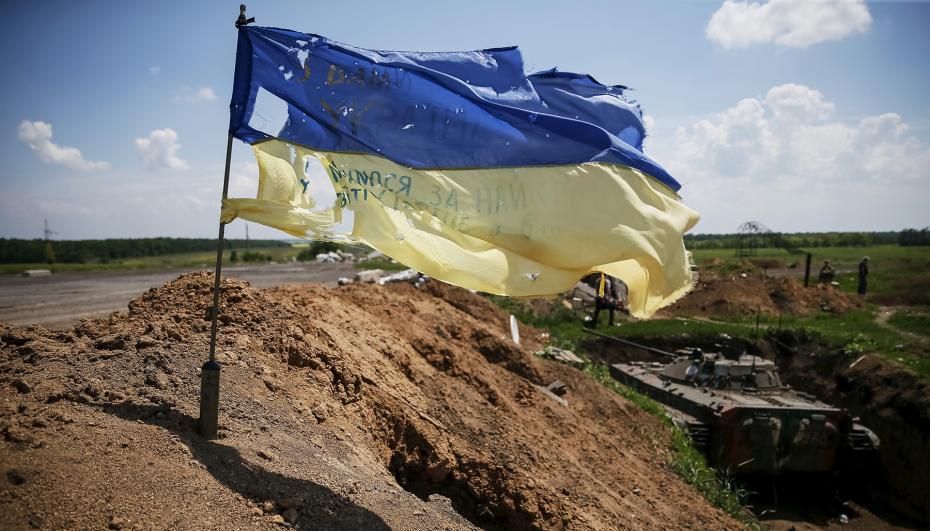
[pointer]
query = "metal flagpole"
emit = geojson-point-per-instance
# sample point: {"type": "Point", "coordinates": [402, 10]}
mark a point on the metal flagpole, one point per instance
{"type": "Point", "coordinates": [210, 371]}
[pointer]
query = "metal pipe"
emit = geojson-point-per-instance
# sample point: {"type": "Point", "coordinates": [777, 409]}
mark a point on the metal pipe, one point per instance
{"type": "Point", "coordinates": [219, 256]}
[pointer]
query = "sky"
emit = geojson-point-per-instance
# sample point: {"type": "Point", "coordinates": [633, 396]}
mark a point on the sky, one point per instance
{"type": "Point", "coordinates": [805, 116]}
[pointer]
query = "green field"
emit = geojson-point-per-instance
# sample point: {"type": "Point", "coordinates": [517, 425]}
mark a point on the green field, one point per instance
{"type": "Point", "coordinates": [204, 259]}
{"type": "Point", "coordinates": [911, 321]}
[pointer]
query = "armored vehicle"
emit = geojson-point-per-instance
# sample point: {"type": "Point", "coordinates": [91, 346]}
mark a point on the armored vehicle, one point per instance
{"type": "Point", "coordinates": [741, 416]}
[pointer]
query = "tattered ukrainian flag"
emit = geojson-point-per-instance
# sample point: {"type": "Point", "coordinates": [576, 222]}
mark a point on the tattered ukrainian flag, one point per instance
{"type": "Point", "coordinates": [461, 166]}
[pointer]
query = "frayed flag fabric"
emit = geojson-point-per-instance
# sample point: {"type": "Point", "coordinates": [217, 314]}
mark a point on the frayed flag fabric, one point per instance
{"type": "Point", "coordinates": [461, 166]}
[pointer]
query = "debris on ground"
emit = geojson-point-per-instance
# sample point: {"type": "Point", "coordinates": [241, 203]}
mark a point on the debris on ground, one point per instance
{"type": "Point", "coordinates": [560, 354]}
{"type": "Point", "coordinates": [407, 275]}
{"type": "Point", "coordinates": [370, 276]}
{"type": "Point", "coordinates": [556, 391]}
{"type": "Point", "coordinates": [37, 273]}
{"type": "Point", "coordinates": [335, 257]}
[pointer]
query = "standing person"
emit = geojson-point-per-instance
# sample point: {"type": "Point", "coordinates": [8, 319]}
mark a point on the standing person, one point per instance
{"type": "Point", "coordinates": [863, 273]}
{"type": "Point", "coordinates": [622, 293]}
{"type": "Point", "coordinates": [608, 295]}
{"type": "Point", "coordinates": [826, 273]}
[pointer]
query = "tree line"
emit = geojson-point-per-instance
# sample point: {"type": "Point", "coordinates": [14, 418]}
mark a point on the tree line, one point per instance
{"type": "Point", "coordinates": [13, 251]}
{"type": "Point", "coordinates": [805, 240]}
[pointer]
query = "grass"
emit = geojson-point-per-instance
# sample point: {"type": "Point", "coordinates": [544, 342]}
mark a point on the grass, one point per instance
{"type": "Point", "coordinates": [911, 321]}
{"type": "Point", "coordinates": [169, 261]}
{"type": "Point", "coordinates": [854, 331]}
{"type": "Point", "coordinates": [566, 331]}
{"type": "Point", "coordinates": [381, 262]}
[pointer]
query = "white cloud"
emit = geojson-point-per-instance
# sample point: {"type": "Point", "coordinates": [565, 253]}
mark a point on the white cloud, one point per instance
{"type": "Point", "coordinates": [791, 23]}
{"type": "Point", "coordinates": [206, 94]}
{"type": "Point", "coordinates": [160, 149]}
{"type": "Point", "coordinates": [38, 136]}
{"type": "Point", "coordinates": [649, 122]}
{"type": "Point", "coordinates": [154, 70]}
{"type": "Point", "coordinates": [784, 159]}
{"type": "Point", "coordinates": [792, 101]}
{"type": "Point", "coordinates": [201, 95]}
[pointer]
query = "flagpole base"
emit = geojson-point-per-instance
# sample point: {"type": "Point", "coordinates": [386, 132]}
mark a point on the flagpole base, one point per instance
{"type": "Point", "coordinates": [209, 399]}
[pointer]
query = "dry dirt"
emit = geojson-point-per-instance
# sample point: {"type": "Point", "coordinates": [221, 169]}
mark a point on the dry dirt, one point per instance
{"type": "Point", "coordinates": [359, 407]}
{"type": "Point", "coordinates": [717, 294]}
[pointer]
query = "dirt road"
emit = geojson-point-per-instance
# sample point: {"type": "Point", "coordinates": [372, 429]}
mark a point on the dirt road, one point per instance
{"type": "Point", "coordinates": [62, 300]}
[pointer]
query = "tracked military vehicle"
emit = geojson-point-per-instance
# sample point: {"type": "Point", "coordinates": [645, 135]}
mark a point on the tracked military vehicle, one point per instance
{"type": "Point", "coordinates": [741, 416]}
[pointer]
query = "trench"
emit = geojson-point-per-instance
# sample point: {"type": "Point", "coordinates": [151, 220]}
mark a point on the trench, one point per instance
{"type": "Point", "coordinates": [478, 490]}
{"type": "Point", "coordinates": [886, 398]}
{"type": "Point", "coordinates": [893, 402]}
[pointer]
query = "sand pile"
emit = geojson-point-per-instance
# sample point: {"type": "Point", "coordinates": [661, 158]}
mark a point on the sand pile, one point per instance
{"type": "Point", "coordinates": [733, 295]}
{"type": "Point", "coordinates": [360, 407]}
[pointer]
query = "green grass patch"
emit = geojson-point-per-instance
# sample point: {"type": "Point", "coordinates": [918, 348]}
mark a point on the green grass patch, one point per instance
{"type": "Point", "coordinates": [678, 326]}
{"type": "Point", "coordinates": [854, 331]}
{"type": "Point", "coordinates": [381, 262]}
{"type": "Point", "coordinates": [201, 259]}
{"type": "Point", "coordinates": [911, 321]}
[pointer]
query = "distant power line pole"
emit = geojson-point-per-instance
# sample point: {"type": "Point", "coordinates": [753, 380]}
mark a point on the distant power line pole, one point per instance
{"type": "Point", "coordinates": [48, 232]}
{"type": "Point", "coordinates": [47, 237]}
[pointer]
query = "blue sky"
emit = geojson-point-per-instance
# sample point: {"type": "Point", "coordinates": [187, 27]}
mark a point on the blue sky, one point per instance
{"type": "Point", "coordinates": [806, 123]}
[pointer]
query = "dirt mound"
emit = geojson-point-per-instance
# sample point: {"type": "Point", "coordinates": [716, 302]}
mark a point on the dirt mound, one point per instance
{"type": "Point", "coordinates": [767, 263]}
{"type": "Point", "coordinates": [361, 407]}
{"type": "Point", "coordinates": [747, 294]}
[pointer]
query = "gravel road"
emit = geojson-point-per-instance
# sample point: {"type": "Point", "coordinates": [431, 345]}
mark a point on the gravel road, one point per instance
{"type": "Point", "coordinates": [62, 299]}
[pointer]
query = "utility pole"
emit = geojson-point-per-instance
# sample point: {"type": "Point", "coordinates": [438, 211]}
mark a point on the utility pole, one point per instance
{"type": "Point", "coordinates": [47, 238]}
{"type": "Point", "coordinates": [48, 232]}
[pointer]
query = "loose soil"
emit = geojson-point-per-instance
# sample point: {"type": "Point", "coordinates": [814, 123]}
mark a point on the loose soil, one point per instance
{"type": "Point", "coordinates": [716, 294]}
{"type": "Point", "coordinates": [361, 407]}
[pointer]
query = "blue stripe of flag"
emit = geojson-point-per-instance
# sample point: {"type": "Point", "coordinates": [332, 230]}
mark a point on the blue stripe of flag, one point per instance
{"type": "Point", "coordinates": [429, 110]}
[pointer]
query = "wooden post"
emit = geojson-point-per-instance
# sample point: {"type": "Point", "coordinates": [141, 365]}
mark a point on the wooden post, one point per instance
{"type": "Point", "coordinates": [807, 270]}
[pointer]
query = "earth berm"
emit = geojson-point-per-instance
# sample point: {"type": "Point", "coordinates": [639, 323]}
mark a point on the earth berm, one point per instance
{"type": "Point", "coordinates": [361, 407]}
